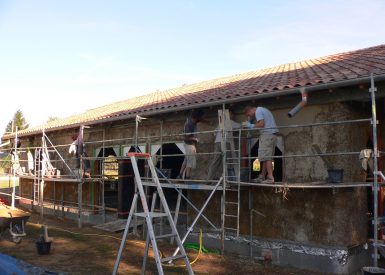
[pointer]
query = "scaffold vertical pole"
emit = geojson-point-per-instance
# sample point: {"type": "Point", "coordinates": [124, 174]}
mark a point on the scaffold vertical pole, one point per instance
{"type": "Point", "coordinates": [103, 204]}
{"type": "Point", "coordinates": [372, 91]}
{"type": "Point", "coordinates": [41, 183]}
{"type": "Point", "coordinates": [161, 223]}
{"type": "Point", "coordinates": [14, 172]}
{"type": "Point", "coordinates": [224, 182]}
{"type": "Point", "coordinates": [102, 176]}
{"type": "Point", "coordinates": [80, 194]}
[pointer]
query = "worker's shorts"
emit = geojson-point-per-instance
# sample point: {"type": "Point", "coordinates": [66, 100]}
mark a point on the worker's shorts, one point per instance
{"type": "Point", "coordinates": [266, 149]}
{"type": "Point", "coordinates": [190, 158]}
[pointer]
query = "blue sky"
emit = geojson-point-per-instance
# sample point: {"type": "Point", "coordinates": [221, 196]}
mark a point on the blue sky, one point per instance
{"type": "Point", "coordinates": [58, 58]}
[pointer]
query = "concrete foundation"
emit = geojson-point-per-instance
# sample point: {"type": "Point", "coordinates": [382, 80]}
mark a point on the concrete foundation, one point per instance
{"type": "Point", "coordinates": [328, 259]}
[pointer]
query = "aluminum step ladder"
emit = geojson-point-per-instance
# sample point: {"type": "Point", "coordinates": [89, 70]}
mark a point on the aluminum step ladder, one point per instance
{"type": "Point", "coordinates": [149, 215]}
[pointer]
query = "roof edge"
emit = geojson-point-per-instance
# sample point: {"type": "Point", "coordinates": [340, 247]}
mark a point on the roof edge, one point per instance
{"type": "Point", "coordinates": [310, 88]}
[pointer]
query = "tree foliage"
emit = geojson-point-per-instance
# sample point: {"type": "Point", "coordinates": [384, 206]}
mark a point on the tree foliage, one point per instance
{"type": "Point", "coordinates": [19, 121]}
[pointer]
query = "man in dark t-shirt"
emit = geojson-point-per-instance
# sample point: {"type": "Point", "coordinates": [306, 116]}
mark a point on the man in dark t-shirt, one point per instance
{"type": "Point", "coordinates": [190, 142]}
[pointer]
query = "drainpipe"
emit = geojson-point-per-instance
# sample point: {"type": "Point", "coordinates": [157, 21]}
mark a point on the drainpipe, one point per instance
{"type": "Point", "coordinates": [300, 105]}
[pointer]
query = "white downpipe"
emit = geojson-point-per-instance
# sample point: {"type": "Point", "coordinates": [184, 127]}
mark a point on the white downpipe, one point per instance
{"type": "Point", "coordinates": [300, 105]}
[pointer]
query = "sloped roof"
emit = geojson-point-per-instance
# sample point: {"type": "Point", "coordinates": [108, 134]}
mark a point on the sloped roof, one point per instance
{"type": "Point", "coordinates": [327, 69]}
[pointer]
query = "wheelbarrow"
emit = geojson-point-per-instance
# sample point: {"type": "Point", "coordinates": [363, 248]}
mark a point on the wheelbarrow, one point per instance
{"type": "Point", "coordinates": [14, 220]}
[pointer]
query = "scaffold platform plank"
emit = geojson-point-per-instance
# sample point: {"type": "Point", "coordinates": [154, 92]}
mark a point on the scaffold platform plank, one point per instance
{"type": "Point", "coordinates": [117, 225]}
{"type": "Point", "coordinates": [61, 179]}
{"type": "Point", "coordinates": [191, 186]}
{"type": "Point", "coordinates": [314, 185]}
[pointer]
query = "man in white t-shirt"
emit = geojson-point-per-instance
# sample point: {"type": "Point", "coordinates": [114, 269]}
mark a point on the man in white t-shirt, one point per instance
{"type": "Point", "coordinates": [265, 122]}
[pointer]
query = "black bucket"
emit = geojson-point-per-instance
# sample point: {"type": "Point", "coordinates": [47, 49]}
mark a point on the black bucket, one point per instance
{"type": "Point", "coordinates": [369, 270]}
{"type": "Point", "coordinates": [335, 175]}
{"type": "Point", "coordinates": [43, 248]}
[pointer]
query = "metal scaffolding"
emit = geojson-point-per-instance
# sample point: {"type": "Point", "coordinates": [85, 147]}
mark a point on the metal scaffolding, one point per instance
{"type": "Point", "coordinates": [228, 183]}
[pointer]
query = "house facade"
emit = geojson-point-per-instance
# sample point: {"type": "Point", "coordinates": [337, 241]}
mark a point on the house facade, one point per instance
{"type": "Point", "coordinates": [305, 219]}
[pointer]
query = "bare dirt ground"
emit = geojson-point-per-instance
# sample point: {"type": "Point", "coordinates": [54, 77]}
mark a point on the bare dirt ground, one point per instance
{"type": "Point", "coordinates": [95, 254]}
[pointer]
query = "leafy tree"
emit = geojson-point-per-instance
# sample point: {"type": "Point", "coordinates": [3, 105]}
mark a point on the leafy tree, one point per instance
{"type": "Point", "coordinates": [19, 121]}
{"type": "Point", "coordinates": [5, 164]}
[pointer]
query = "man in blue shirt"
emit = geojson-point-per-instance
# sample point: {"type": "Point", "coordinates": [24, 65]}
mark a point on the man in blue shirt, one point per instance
{"type": "Point", "coordinates": [267, 127]}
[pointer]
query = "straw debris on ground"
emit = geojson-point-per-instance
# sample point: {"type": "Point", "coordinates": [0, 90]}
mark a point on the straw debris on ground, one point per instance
{"type": "Point", "coordinates": [90, 251]}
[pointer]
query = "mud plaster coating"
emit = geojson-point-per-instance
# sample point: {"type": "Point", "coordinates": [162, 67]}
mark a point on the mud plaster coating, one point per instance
{"type": "Point", "coordinates": [314, 216]}
{"type": "Point", "coordinates": [319, 216]}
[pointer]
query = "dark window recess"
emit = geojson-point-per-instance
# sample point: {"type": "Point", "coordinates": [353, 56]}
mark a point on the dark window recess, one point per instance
{"type": "Point", "coordinates": [170, 165]}
{"type": "Point", "coordinates": [111, 181]}
{"type": "Point", "coordinates": [170, 168]}
{"type": "Point", "coordinates": [277, 163]}
{"type": "Point", "coordinates": [109, 151]}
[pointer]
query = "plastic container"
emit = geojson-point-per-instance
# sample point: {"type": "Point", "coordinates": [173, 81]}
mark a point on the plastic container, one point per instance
{"type": "Point", "coordinates": [43, 248]}
{"type": "Point", "coordinates": [335, 175]}
{"type": "Point", "coordinates": [369, 270]}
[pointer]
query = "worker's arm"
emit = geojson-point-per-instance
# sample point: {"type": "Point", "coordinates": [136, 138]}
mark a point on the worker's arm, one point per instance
{"type": "Point", "coordinates": [235, 125]}
{"type": "Point", "coordinates": [72, 149]}
{"type": "Point", "coordinates": [190, 137]}
{"type": "Point", "coordinates": [260, 123]}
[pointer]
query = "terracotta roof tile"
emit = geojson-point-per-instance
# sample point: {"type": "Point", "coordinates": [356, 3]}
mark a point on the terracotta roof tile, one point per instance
{"type": "Point", "coordinates": [333, 68]}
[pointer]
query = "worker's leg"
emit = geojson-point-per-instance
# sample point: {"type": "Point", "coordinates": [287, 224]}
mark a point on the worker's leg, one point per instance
{"type": "Point", "coordinates": [86, 166]}
{"type": "Point", "coordinates": [190, 160]}
{"type": "Point", "coordinates": [267, 143]}
{"type": "Point", "coordinates": [188, 173]}
{"type": "Point", "coordinates": [182, 169]}
{"type": "Point", "coordinates": [269, 168]}
{"type": "Point", "coordinates": [263, 171]}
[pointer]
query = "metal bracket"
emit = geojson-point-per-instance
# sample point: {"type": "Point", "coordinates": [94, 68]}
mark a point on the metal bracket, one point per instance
{"type": "Point", "coordinates": [378, 256]}
{"type": "Point", "coordinates": [371, 122]}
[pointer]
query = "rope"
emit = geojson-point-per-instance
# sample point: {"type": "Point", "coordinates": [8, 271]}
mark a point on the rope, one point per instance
{"type": "Point", "coordinates": [77, 233]}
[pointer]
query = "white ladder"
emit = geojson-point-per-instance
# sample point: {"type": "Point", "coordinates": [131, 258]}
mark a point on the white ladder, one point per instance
{"type": "Point", "coordinates": [149, 215]}
{"type": "Point", "coordinates": [231, 208]}
{"type": "Point", "coordinates": [36, 178]}
{"type": "Point", "coordinates": [232, 153]}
